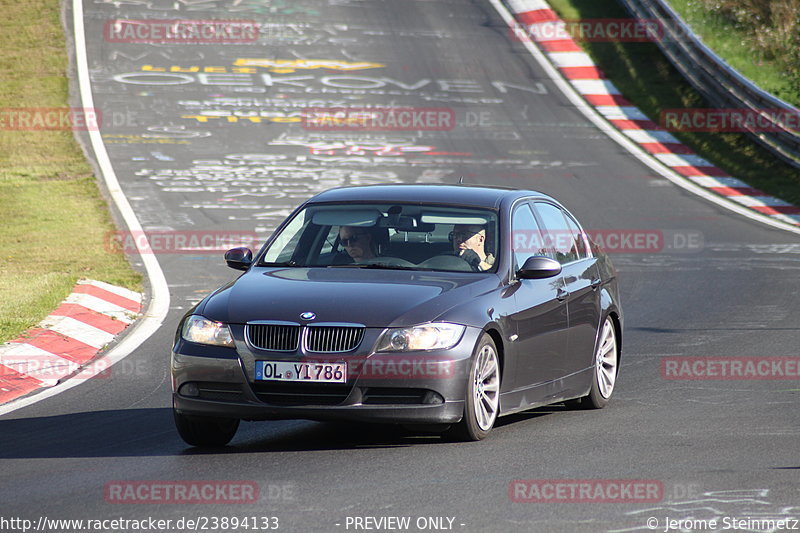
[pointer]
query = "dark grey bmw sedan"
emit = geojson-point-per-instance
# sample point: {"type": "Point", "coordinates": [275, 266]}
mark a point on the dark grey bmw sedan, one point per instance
{"type": "Point", "coordinates": [439, 305]}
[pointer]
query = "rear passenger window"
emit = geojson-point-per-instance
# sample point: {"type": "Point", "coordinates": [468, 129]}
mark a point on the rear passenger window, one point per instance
{"type": "Point", "coordinates": [563, 233]}
{"type": "Point", "coordinates": [578, 239]}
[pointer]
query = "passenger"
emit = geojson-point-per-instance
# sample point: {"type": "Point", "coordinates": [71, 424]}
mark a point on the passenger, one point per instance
{"type": "Point", "coordinates": [358, 243]}
{"type": "Point", "coordinates": [469, 243]}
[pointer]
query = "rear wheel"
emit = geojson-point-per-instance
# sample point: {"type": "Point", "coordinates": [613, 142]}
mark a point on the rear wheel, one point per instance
{"type": "Point", "coordinates": [205, 431]}
{"type": "Point", "coordinates": [604, 371]}
{"type": "Point", "coordinates": [482, 401]}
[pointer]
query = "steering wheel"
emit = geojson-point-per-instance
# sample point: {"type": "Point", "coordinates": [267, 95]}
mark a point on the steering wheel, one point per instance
{"type": "Point", "coordinates": [389, 261]}
{"type": "Point", "coordinates": [446, 262]}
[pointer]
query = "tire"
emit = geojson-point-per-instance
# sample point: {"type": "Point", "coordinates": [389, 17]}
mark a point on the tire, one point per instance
{"type": "Point", "coordinates": [482, 393]}
{"type": "Point", "coordinates": [205, 431]}
{"type": "Point", "coordinates": [605, 368]}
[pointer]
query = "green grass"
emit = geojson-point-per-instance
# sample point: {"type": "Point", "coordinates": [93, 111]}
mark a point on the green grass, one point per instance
{"type": "Point", "coordinates": [53, 220]}
{"type": "Point", "coordinates": [645, 76]}
{"type": "Point", "coordinates": [759, 38]}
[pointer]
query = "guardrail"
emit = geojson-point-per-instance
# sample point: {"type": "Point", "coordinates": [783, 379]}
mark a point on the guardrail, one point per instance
{"type": "Point", "coordinates": [722, 85]}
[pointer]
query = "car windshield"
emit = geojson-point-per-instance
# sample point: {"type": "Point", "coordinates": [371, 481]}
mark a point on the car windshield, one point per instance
{"type": "Point", "coordinates": [390, 236]}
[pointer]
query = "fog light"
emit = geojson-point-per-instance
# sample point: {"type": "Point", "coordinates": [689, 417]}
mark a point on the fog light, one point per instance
{"type": "Point", "coordinates": [190, 390]}
{"type": "Point", "coordinates": [432, 398]}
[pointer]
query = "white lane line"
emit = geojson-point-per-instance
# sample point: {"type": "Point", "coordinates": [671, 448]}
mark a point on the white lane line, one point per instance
{"type": "Point", "coordinates": [760, 201]}
{"type": "Point", "coordinates": [119, 291]}
{"type": "Point", "coordinates": [99, 305]}
{"type": "Point", "coordinates": [36, 363]}
{"type": "Point", "coordinates": [615, 112]}
{"type": "Point", "coordinates": [683, 160]}
{"type": "Point", "coordinates": [595, 87]}
{"type": "Point", "coordinates": [634, 149]}
{"type": "Point", "coordinates": [571, 59]}
{"type": "Point", "coordinates": [651, 136]}
{"type": "Point", "coordinates": [523, 6]}
{"type": "Point", "coordinates": [159, 300]}
{"type": "Point", "coordinates": [75, 329]}
{"type": "Point", "coordinates": [708, 181]}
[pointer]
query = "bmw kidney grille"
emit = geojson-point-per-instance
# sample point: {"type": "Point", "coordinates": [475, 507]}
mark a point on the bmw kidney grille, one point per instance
{"type": "Point", "coordinates": [315, 338]}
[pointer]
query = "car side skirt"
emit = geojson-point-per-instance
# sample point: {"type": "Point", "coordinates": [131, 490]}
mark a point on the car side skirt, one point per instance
{"type": "Point", "coordinates": [559, 390]}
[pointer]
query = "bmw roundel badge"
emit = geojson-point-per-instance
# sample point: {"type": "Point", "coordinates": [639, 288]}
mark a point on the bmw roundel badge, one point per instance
{"type": "Point", "coordinates": [308, 315]}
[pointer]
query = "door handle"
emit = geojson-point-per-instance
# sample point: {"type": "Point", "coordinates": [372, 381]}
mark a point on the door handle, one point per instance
{"type": "Point", "coordinates": [561, 294]}
{"type": "Point", "coordinates": [596, 283]}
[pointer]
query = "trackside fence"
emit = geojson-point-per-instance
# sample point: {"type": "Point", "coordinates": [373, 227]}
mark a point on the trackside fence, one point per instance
{"type": "Point", "coordinates": [722, 85]}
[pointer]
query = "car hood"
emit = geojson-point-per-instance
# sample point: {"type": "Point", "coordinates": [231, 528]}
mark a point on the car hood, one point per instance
{"type": "Point", "coordinates": [375, 298]}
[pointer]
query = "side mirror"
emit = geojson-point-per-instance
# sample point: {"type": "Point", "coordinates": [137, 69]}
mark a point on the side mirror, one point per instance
{"type": "Point", "coordinates": [539, 267]}
{"type": "Point", "coordinates": [239, 258]}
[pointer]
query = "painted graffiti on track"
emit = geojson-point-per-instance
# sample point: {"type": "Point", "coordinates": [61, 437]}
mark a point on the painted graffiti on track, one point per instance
{"type": "Point", "coordinates": [301, 76]}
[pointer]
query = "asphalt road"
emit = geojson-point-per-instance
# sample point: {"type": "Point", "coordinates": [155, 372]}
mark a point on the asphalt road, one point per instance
{"type": "Point", "coordinates": [201, 147]}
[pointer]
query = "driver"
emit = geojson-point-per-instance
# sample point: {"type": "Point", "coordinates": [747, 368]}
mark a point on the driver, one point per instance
{"type": "Point", "coordinates": [469, 243]}
{"type": "Point", "coordinates": [358, 243]}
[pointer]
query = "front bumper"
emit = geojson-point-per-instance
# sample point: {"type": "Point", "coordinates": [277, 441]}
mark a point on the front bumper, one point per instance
{"type": "Point", "coordinates": [413, 388]}
{"type": "Point", "coordinates": [448, 413]}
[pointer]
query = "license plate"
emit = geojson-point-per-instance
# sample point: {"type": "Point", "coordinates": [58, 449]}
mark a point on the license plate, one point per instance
{"type": "Point", "coordinates": [306, 372]}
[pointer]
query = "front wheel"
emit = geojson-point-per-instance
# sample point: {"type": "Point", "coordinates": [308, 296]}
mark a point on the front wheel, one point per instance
{"type": "Point", "coordinates": [205, 431]}
{"type": "Point", "coordinates": [482, 401]}
{"type": "Point", "coordinates": [604, 371]}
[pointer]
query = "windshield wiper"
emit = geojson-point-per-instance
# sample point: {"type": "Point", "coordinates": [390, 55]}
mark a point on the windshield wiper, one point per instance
{"type": "Point", "coordinates": [378, 266]}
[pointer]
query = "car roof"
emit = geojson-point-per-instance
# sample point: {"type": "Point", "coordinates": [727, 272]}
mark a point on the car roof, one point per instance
{"type": "Point", "coordinates": [417, 193]}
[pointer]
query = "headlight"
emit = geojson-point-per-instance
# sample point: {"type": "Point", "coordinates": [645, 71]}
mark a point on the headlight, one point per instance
{"type": "Point", "coordinates": [204, 331]}
{"type": "Point", "coordinates": [436, 336]}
